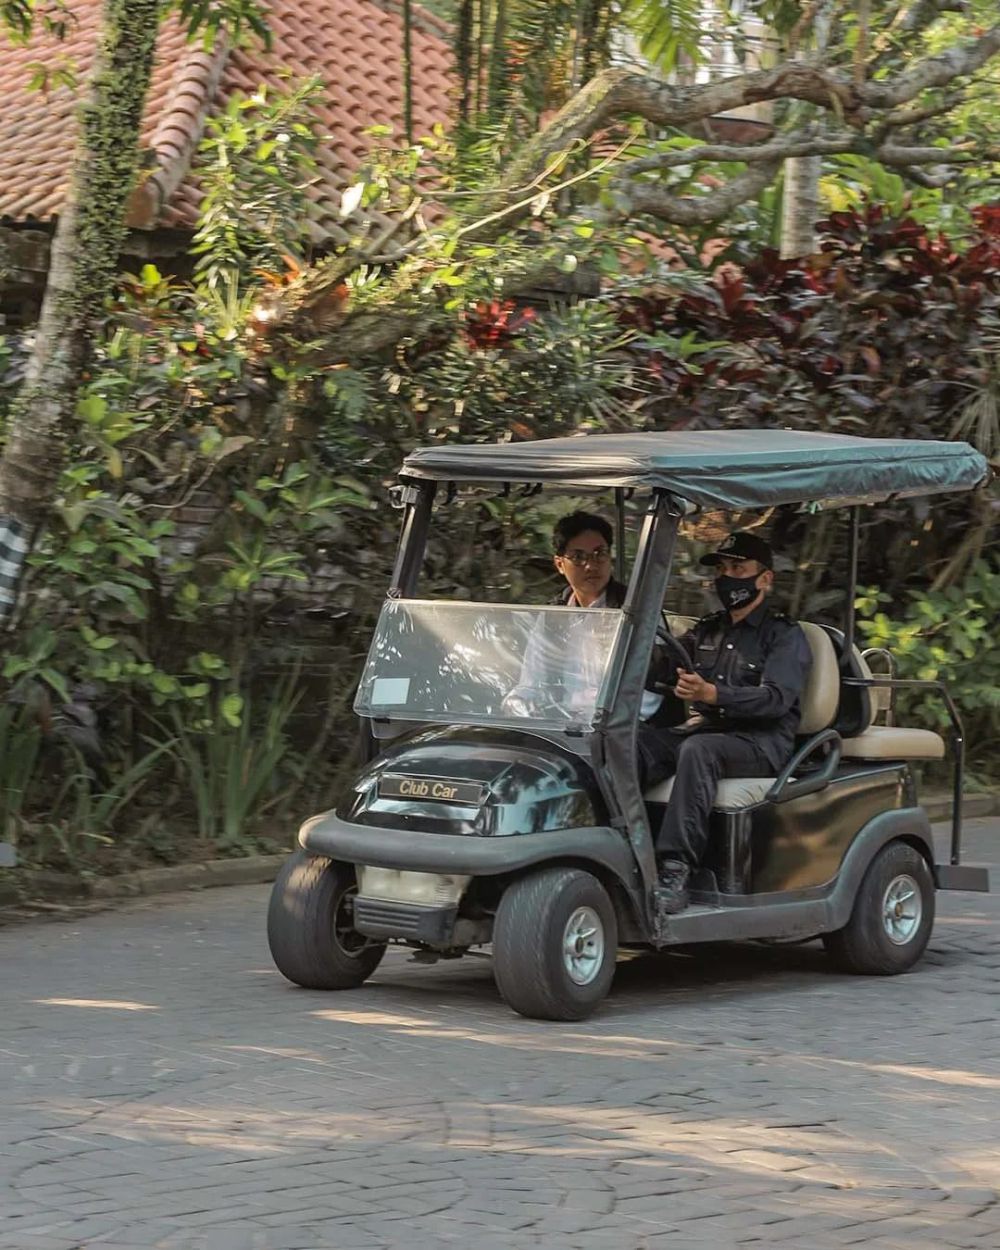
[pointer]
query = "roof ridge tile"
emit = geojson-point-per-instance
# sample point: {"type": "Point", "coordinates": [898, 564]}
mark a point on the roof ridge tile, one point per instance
{"type": "Point", "coordinates": [177, 134]}
{"type": "Point", "coordinates": [355, 46]}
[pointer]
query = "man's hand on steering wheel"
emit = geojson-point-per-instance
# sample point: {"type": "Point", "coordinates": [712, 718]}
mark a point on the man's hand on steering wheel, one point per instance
{"type": "Point", "coordinates": [693, 688]}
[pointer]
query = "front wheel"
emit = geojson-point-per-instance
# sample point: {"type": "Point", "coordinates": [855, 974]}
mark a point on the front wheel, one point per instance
{"type": "Point", "coordinates": [555, 940]}
{"type": "Point", "coordinates": [310, 925]}
{"type": "Point", "coordinates": [893, 915]}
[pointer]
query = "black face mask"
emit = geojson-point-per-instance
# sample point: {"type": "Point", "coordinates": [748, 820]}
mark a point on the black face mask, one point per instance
{"type": "Point", "coordinates": [736, 592]}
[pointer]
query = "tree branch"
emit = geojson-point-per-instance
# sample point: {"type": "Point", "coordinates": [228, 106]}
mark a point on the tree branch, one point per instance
{"type": "Point", "coordinates": [686, 210]}
{"type": "Point", "coordinates": [864, 110]}
{"type": "Point", "coordinates": [794, 143]}
{"type": "Point", "coordinates": [920, 113]}
{"type": "Point", "coordinates": [618, 93]}
{"type": "Point", "coordinates": [958, 61]}
{"type": "Point", "coordinates": [897, 154]}
{"type": "Point", "coordinates": [921, 14]}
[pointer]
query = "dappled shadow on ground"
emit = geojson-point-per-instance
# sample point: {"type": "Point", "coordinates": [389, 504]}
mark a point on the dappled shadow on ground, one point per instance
{"type": "Point", "coordinates": [169, 1088]}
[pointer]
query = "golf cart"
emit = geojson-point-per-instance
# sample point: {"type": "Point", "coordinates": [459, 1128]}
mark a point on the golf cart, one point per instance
{"type": "Point", "coordinates": [505, 808]}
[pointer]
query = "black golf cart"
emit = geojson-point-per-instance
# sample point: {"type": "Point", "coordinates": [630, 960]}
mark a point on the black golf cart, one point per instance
{"type": "Point", "coordinates": [504, 806]}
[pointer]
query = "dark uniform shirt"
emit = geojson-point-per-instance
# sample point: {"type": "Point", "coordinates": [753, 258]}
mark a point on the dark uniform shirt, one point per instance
{"type": "Point", "coordinates": [759, 668]}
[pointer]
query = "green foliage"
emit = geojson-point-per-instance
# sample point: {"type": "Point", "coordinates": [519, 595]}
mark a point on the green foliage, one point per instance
{"type": "Point", "coordinates": [947, 635]}
{"type": "Point", "coordinates": [18, 18]}
{"type": "Point", "coordinates": [669, 32]}
{"type": "Point", "coordinates": [109, 119]}
{"type": "Point", "coordinates": [232, 761]}
{"type": "Point", "coordinates": [223, 522]}
{"type": "Point", "coordinates": [241, 21]}
{"type": "Point", "coordinates": [254, 165]}
{"type": "Point", "coordinates": [854, 181]}
{"type": "Point", "coordinates": [978, 419]}
{"type": "Point", "coordinates": [889, 330]}
{"type": "Point", "coordinates": [84, 811]}
{"type": "Point", "coordinates": [512, 369]}
{"type": "Point", "coordinates": [238, 20]}
{"type": "Point", "coordinates": [20, 742]}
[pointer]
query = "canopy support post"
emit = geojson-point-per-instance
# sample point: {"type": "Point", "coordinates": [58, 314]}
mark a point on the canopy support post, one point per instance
{"type": "Point", "coordinates": [852, 583]}
{"type": "Point", "coordinates": [418, 501]}
{"type": "Point", "coordinates": [619, 534]}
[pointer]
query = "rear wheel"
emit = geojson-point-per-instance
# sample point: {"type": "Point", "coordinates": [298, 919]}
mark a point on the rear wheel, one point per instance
{"type": "Point", "coordinates": [555, 940]}
{"type": "Point", "coordinates": [310, 925]}
{"type": "Point", "coordinates": [893, 915]}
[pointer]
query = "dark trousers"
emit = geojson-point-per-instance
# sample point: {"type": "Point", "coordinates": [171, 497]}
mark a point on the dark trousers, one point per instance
{"type": "Point", "coordinates": [697, 762]}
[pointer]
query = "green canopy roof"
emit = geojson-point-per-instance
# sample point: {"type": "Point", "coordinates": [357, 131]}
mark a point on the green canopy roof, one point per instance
{"type": "Point", "coordinates": [719, 468]}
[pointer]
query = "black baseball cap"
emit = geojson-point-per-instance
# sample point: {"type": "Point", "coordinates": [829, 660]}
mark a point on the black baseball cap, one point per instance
{"type": "Point", "coordinates": [742, 545]}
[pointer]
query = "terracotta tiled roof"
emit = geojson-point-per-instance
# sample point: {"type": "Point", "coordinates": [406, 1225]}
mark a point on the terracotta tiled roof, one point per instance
{"type": "Point", "coordinates": [353, 46]}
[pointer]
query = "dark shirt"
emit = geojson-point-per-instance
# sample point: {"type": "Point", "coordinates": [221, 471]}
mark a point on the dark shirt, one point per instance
{"type": "Point", "coordinates": [759, 668]}
{"type": "Point", "coordinates": [614, 594]}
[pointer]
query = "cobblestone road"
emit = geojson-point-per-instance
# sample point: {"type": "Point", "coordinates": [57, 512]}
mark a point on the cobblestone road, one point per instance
{"type": "Point", "coordinates": [161, 1086]}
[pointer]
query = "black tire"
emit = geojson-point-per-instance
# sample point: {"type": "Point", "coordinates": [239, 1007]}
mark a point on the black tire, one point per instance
{"type": "Point", "coordinates": [864, 945]}
{"type": "Point", "coordinates": [308, 926]}
{"type": "Point", "coordinates": [532, 922]}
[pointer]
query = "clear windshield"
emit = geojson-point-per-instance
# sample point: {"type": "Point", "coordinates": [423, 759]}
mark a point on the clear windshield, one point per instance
{"type": "Point", "coordinates": [472, 663]}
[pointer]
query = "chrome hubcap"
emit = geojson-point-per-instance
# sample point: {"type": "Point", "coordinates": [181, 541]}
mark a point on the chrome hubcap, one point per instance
{"type": "Point", "coordinates": [583, 945]}
{"type": "Point", "coordinates": [902, 909]}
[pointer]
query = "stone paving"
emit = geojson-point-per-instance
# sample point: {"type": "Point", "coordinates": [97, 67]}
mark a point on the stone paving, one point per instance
{"type": "Point", "coordinates": [162, 1086]}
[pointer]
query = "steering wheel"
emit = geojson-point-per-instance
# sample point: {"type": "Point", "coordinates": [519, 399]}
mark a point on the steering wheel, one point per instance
{"type": "Point", "coordinates": [680, 652]}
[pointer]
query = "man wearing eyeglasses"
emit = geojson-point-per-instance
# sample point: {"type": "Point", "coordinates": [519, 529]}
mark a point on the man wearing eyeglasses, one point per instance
{"type": "Point", "coordinates": [582, 542]}
{"type": "Point", "coordinates": [562, 665]}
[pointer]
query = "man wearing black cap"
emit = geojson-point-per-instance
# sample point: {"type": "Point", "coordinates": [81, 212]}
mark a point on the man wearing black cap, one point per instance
{"type": "Point", "coordinates": [749, 669]}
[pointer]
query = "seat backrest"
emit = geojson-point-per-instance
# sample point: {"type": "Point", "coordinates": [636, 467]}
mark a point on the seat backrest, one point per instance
{"type": "Point", "coordinates": [822, 693]}
{"type": "Point", "coordinates": [855, 709]}
{"type": "Point", "coordinates": [880, 696]}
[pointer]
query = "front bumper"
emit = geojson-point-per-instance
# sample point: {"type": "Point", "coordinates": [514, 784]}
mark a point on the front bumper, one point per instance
{"type": "Point", "coordinates": [382, 918]}
{"type": "Point", "coordinates": [460, 854]}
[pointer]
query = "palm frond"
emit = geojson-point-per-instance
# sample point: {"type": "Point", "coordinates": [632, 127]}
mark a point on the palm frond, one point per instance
{"type": "Point", "coordinates": [668, 32]}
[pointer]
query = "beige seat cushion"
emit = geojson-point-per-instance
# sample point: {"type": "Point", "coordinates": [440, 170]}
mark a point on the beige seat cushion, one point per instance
{"type": "Point", "coordinates": [885, 742]}
{"type": "Point", "coordinates": [732, 793]}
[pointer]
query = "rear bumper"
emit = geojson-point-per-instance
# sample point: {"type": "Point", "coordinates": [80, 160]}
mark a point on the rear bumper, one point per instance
{"type": "Point", "coordinates": [973, 877]}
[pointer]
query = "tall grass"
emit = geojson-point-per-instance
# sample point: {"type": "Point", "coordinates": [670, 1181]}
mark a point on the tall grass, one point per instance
{"type": "Point", "coordinates": [20, 748]}
{"type": "Point", "coordinates": [233, 771]}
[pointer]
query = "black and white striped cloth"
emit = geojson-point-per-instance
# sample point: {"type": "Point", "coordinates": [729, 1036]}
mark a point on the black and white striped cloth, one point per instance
{"type": "Point", "coordinates": [14, 543]}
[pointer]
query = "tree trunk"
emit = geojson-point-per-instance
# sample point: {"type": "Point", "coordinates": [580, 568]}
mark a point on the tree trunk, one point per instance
{"type": "Point", "coordinates": [408, 70]}
{"type": "Point", "coordinates": [800, 206]}
{"type": "Point", "coordinates": [800, 197]}
{"type": "Point", "coordinates": [84, 259]}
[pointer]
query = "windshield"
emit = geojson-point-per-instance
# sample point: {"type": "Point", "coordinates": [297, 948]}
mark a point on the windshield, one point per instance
{"type": "Point", "coordinates": [476, 664]}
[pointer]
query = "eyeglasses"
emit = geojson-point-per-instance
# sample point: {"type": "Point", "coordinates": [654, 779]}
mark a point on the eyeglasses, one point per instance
{"type": "Point", "coordinates": [582, 558]}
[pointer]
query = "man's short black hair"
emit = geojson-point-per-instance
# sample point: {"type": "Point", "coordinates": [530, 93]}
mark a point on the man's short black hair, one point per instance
{"type": "Point", "coordinates": [577, 523]}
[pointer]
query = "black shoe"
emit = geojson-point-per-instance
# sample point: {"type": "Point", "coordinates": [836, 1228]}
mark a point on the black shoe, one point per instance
{"type": "Point", "coordinates": [672, 894]}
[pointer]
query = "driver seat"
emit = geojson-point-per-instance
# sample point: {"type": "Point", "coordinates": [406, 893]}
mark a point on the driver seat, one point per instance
{"type": "Point", "coordinates": [820, 700]}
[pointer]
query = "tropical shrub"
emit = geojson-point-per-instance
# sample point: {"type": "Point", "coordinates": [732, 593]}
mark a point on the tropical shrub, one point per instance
{"type": "Point", "coordinates": [889, 329]}
{"type": "Point", "coordinates": [947, 635]}
{"type": "Point", "coordinates": [224, 528]}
